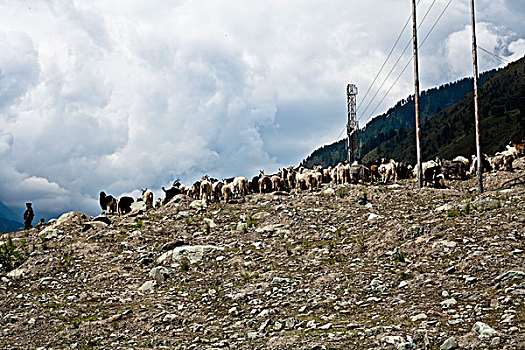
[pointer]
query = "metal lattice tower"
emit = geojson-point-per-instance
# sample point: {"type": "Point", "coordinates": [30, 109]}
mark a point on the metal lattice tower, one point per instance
{"type": "Point", "coordinates": [352, 127]}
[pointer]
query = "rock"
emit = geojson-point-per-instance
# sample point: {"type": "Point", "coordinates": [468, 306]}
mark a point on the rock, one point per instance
{"type": "Point", "coordinates": [449, 344]}
{"type": "Point", "coordinates": [241, 226]}
{"type": "Point", "coordinates": [326, 326]}
{"type": "Point", "coordinates": [437, 229]}
{"type": "Point", "coordinates": [447, 244]}
{"type": "Point", "coordinates": [444, 207]}
{"type": "Point", "coordinates": [311, 324]}
{"type": "Point", "coordinates": [495, 341]}
{"type": "Point", "coordinates": [261, 215]}
{"type": "Point", "coordinates": [210, 222]}
{"type": "Point", "coordinates": [373, 216]}
{"type": "Point", "coordinates": [139, 206]}
{"type": "Point", "coordinates": [73, 217]}
{"type": "Point", "coordinates": [102, 218]}
{"type": "Point", "coordinates": [484, 204]}
{"type": "Point", "coordinates": [160, 273]}
{"type": "Point", "coordinates": [418, 317]}
{"type": "Point", "coordinates": [17, 273]}
{"type": "Point", "coordinates": [198, 204]}
{"type": "Point", "coordinates": [192, 253]}
{"type": "Point", "coordinates": [269, 228]}
{"type": "Point", "coordinates": [329, 192]}
{"type": "Point", "coordinates": [94, 225]}
{"type": "Point", "coordinates": [449, 302]}
{"type": "Point", "coordinates": [172, 245]}
{"type": "Point", "coordinates": [170, 318]}
{"type": "Point", "coordinates": [483, 330]}
{"type": "Point", "coordinates": [183, 214]}
{"type": "Point", "coordinates": [279, 280]}
{"type": "Point", "coordinates": [511, 276]}
{"type": "Point", "coordinates": [148, 286]}
{"type": "Point", "coordinates": [50, 233]}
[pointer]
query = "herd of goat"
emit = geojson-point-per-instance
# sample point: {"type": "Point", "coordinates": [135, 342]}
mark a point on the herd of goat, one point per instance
{"type": "Point", "coordinates": [211, 189]}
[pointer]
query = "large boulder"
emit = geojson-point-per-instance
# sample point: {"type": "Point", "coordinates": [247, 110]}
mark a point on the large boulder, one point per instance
{"type": "Point", "coordinates": [193, 253]}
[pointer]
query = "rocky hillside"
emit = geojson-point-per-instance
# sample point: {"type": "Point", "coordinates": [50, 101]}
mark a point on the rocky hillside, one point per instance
{"type": "Point", "coordinates": [344, 267]}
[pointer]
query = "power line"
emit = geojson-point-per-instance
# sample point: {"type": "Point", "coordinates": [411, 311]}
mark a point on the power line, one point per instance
{"type": "Point", "coordinates": [397, 61]}
{"type": "Point", "coordinates": [411, 58]}
{"type": "Point", "coordinates": [504, 60]}
{"type": "Point", "coordinates": [384, 63]}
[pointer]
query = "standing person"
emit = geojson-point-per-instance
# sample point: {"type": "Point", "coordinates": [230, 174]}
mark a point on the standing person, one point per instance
{"type": "Point", "coordinates": [28, 216]}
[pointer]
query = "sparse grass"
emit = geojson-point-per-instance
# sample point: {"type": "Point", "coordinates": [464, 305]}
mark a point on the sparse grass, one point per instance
{"type": "Point", "coordinates": [361, 243]}
{"type": "Point", "coordinates": [208, 227]}
{"type": "Point", "coordinates": [399, 257]}
{"type": "Point", "coordinates": [139, 224]}
{"type": "Point", "coordinates": [10, 258]}
{"type": "Point", "coordinates": [406, 275]}
{"type": "Point", "coordinates": [185, 265]}
{"type": "Point", "coordinates": [251, 222]}
{"type": "Point", "coordinates": [342, 192]}
{"type": "Point", "coordinates": [67, 259]}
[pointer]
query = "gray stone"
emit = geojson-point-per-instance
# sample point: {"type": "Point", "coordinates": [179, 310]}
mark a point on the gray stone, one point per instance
{"type": "Point", "coordinates": [418, 317]}
{"type": "Point", "coordinates": [311, 324]}
{"type": "Point", "coordinates": [160, 273]}
{"type": "Point", "coordinates": [148, 286]}
{"type": "Point", "coordinates": [326, 326]}
{"type": "Point", "coordinates": [483, 330]}
{"type": "Point", "coordinates": [261, 215]}
{"type": "Point", "coordinates": [269, 228]}
{"type": "Point", "coordinates": [329, 192]}
{"type": "Point", "coordinates": [511, 276]}
{"type": "Point", "coordinates": [449, 344]}
{"type": "Point", "coordinates": [198, 204]}
{"type": "Point", "coordinates": [138, 206]}
{"type": "Point", "coordinates": [192, 253]}
{"type": "Point", "coordinates": [17, 273]}
{"type": "Point", "coordinates": [241, 226]}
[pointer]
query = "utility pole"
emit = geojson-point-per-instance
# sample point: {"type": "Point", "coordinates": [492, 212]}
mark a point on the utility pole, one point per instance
{"type": "Point", "coordinates": [352, 127]}
{"type": "Point", "coordinates": [416, 97]}
{"type": "Point", "coordinates": [476, 110]}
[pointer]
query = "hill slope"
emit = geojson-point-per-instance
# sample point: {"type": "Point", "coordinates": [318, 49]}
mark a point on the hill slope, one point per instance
{"type": "Point", "coordinates": [308, 270]}
{"type": "Point", "coordinates": [451, 132]}
{"type": "Point", "coordinates": [396, 124]}
{"type": "Point", "coordinates": [9, 221]}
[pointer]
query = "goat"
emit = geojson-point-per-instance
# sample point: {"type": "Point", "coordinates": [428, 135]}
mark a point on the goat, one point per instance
{"type": "Point", "coordinates": [205, 188]}
{"type": "Point", "coordinates": [170, 193]}
{"type": "Point", "coordinates": [147, 196]}
{"type": "Point", "coordinates": [265, 184]}
{"type": "Point", "coordinates": [108, 202]}
{"type": "Point", "coordinates": [124, 205]}
{"type": "Point", "coordinates": [240, 185]}
{"type": "Point", "coordinates": [227, 192]}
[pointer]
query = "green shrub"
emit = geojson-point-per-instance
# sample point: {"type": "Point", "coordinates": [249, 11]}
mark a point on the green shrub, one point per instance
{"type": "Point", "coordinates": [10, 258]}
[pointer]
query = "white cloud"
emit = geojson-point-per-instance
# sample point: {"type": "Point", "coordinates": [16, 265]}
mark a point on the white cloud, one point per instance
{"type": "Point", "coordinates": [119, 95]}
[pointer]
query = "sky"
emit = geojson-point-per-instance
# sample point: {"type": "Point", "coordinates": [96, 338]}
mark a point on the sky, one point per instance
{"type": "Point", "coordinates": [114, 96]}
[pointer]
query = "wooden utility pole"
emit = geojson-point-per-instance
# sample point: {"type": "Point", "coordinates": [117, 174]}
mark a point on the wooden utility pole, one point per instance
{"type": "Point", "coordinates": [476, 110]}
{"type": "Point", "coordinates": [416, 97]}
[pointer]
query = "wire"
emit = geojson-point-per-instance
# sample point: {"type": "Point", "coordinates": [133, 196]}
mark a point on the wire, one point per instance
{"type": "Point", "coordinates": [504, 60]}
{"type": "Point", "coordinates": [341, 133]}
{"type": "Point", "coordinates": [395, 64]}
{"type": "Point", "coordinates": [411, 58]}
{"type": "Point", "coordinates": [384, 63]}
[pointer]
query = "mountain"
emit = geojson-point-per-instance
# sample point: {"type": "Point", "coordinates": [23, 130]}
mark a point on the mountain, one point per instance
{"type": "Point", "coordinates": [9, 220]}
{"type": "Point", "coordinates": [450, 132]}
{"type": "Point", "coordinates": [394, 125]}
{"type": "Point", "coordinates": [7, 225]}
